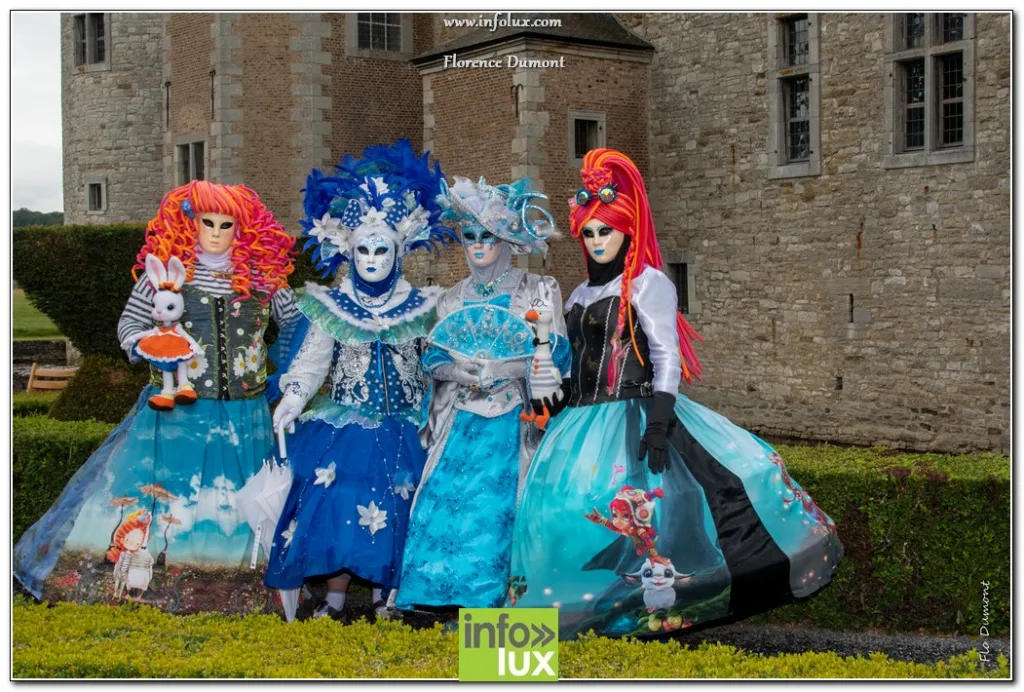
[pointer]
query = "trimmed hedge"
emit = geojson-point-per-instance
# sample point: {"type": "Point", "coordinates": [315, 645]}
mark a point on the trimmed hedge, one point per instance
{"type": "Point", "coordinates": [70, 641]}
{"type": "Point", "coordinates": [86, 301]}
{"type": "Point", "coordinates": [46, 453]}
{"type": "Point", "coordinates": [921, 531]}
{"type": "Point", "coordinates": [34, 404]}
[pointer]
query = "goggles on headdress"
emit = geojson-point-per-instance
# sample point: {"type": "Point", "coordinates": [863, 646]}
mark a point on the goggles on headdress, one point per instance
{"type": "Point", "coordinates": [606, 194]}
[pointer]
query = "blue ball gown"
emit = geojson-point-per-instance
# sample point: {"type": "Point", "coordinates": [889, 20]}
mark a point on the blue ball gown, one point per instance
{"type": "Point", "coordinates": [355, 454]}
{"type": "Point", "coordinates": [723, 531]}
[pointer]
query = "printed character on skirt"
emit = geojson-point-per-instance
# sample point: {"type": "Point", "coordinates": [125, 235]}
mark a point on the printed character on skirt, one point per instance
{"type": "Point", "coordinates": [356, 454]}
{"type": "Point", "coordinates": [643, 511]}
{"type": "Point", "coordinates": [150, 515]}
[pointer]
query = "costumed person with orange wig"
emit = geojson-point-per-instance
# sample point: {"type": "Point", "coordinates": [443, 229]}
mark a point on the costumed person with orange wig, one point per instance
{"type": "Point", "coordinates": [216, 268]}
{"type": "Point", "coordinates": [643, 511]}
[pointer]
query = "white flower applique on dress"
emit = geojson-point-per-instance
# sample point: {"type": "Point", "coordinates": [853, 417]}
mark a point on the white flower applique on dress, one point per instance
{"type": "Point", "coordinates": [325, 476]}
{"type": "Point", "coordinates": [372, 517]}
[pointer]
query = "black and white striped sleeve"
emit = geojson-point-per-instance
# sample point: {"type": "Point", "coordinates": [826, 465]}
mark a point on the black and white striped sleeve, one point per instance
{"type": "Point", "coordinates": [282, 306]}
{"type": "Point", "coordinates": [137, 316]}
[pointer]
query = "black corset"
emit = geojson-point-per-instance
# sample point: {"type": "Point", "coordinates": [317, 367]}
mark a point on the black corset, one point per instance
{"type": "Point", "coordinates": [590, 331]}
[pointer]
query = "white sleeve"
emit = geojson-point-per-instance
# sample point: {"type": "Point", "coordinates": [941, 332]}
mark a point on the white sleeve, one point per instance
{"type": "Point", "coordinates": [311, 364]}
{"type": "Point", "coordinates": [654, 301]}
{"type": "Point", "coordinates": [557, 307]}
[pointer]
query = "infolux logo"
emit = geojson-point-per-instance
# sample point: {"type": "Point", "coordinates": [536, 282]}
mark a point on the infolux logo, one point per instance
{"type": "Point", "coordinates": [508, 645]}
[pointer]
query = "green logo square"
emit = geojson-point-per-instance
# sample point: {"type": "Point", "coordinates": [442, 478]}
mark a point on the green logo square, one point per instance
{"type": "Point", "coordinates": [508, 644]}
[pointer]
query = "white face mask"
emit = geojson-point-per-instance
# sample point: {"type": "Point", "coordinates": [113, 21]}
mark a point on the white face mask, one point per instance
{"type": "Point", "coordinates": [374, 258]}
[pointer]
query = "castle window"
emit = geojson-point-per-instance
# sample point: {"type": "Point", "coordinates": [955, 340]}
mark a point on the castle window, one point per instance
{"type": "Point", "coordinates": [191, 159]}
{"type": "Point", "coordinates": [96, 195]}
{"type": "Point", "coordinates": [379, 35]}
{"type": "Point", "coordinates": [586, 132]}
{"type": "Point", "coordinates": [794, 96]}
{"type": "Point", "coordinates": [89, 41]}
{"type": "Point", "coordinates": [678, 272]}
{"type": "Point", "coordinates": [380, 31]}
{"type": "Point", "coordinates": [929, 100]}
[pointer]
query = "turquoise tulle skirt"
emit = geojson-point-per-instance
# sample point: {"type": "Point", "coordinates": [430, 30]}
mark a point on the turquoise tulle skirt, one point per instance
{"type": "Point", "coordinates": [724, 531]}
{"type": "Point", "coordinates": [151, 514]}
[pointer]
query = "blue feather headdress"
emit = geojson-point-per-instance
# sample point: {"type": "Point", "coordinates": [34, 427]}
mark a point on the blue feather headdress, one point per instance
{"type": "Point", "coordinates": [507, 211]}
{"type": "Point", "coordinates": [388, 191]}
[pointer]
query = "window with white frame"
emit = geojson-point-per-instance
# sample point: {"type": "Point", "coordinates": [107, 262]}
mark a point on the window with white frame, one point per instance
{"type": "Point", "coordinates": [89, 32]}
{"type": "Point", "coordinates": [794, 90]}
{"type": "Point", "coordinates": [929, 100]}
{"type": "Point", "coordinates": [586, 132]}
{"type": "Point", "coordinates": [191, 159]}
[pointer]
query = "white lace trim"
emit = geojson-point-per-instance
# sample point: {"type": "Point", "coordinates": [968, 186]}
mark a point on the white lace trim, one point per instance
{"type": "Point", "coordinates": [430, 295]}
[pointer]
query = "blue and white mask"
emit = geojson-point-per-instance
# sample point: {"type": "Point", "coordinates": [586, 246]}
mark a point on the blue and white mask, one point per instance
{"type": "Point", "coordinates": [374, 258]}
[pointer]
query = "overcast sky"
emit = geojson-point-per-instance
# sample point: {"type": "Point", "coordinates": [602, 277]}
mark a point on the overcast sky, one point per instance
{"type": "Point", "coordinates": [35, 112]}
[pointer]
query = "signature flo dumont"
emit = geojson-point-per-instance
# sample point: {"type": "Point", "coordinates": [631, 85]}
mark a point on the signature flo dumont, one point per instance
{"type": "Point", "coordinates": [452, 60]}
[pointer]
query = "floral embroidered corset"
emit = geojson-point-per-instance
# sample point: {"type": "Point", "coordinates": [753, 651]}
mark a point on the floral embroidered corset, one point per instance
{"type": "Point", "coordinates": [590, 331]}
{"type": "Point", "coordinates": [234, 361]}
{"type": "Point", "coordinates": [374, 369]}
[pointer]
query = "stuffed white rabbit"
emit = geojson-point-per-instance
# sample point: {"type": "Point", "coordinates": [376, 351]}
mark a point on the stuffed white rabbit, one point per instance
{"type": "Point", "coordinates": [167, 346]}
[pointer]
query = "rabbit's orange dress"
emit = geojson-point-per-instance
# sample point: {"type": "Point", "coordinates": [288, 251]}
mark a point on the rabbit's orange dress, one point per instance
{"type": "Point", "coordinates": [166, 347]}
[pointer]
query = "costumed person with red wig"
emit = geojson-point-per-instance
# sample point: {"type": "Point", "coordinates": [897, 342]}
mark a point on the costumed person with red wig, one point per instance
{"type": "Point", "coordinates": [702, 521]}
{"type": "Point", "coordinates": [152, 513]}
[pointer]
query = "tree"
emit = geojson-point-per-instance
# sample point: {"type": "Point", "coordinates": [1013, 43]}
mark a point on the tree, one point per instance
{"type": "Point", "coordinates": [27, 217]}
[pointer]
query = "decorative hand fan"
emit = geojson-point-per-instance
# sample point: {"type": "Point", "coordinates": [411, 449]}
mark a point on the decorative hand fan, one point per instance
{"type": "Point", "coordinates": [484, 331]}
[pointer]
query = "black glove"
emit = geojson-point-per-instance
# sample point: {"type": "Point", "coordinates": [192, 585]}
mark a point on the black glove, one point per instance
{"type": "Point", "coordinates": [554, 407]}
{"type": "Point", "coordinates": [661, 417]}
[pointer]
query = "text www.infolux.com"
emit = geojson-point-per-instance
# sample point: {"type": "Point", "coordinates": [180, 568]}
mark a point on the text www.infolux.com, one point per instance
{"type": "Point", "coordinates": [503, 20]}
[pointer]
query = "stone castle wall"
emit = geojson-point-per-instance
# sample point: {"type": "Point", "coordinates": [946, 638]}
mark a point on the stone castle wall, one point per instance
{"type": "Point", "coordinates": [111, 122]}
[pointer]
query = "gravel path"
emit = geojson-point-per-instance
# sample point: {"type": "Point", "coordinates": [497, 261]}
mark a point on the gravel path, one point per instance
{"type": "Point", "coordinates": [776, 639]}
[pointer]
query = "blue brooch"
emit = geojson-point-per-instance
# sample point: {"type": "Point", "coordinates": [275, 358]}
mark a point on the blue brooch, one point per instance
{"type": "Point", "coordinates": [186, 207]}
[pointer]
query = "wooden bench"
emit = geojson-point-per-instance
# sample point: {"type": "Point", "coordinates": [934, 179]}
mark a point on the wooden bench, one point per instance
{"type": "Point", "coordinates": [58, 378]}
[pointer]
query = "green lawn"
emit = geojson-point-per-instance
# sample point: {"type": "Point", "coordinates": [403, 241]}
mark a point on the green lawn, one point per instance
{"type": "Point", "coordinates": [30, 324]}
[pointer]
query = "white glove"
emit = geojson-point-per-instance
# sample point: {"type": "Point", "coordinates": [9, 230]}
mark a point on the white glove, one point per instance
{"type": "Point", "coordinates": [287, 411]}
{"type": "Point", "coordinates": [461, 371]}
{"type": "Point", "coordinates": [490, 371]}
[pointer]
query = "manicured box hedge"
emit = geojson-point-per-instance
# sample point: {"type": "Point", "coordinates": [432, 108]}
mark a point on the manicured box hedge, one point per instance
{"type": "Point", "coordinates": [921, 531]}
{"type": "Point", "coordinates": [34, 404]}
{"type": "Point", "coordinates": [132, 641]}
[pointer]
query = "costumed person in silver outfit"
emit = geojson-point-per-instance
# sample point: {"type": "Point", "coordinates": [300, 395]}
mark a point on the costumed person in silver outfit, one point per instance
{"type": "Point", "coordinates": [479, 442]}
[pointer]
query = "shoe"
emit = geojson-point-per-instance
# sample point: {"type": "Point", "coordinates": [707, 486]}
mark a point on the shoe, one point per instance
{"type": "Point", "coordinates": [186, 396]}
{"type": "Point", "coordinates": [326, 611]}
{"type": "Point", "coordinates": [382, 612]}
{"type": "Point", "coordinates": [161, 402]}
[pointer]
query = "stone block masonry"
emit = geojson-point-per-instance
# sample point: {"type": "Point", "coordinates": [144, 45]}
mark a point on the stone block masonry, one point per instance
{"type": "Point", "coordinates": [895, 281]}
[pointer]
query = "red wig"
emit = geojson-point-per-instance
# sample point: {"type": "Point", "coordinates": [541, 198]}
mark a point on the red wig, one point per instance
{"type": "Point", "coordinates": [630, 213]}
{"type": "Point", "coordinates": [261, 253]}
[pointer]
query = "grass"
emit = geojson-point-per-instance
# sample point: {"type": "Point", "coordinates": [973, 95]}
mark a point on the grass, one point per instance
{"type": "Point", "coordinates": [28, 324]}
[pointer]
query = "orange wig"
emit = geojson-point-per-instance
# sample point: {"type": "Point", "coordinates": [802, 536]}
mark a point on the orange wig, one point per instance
{"type": "Point", "coordinates": [136, 520]}
{"type": "Point", "coordinates": [262, 250]}
{"type": "Point", "coordinates": [630, 213]}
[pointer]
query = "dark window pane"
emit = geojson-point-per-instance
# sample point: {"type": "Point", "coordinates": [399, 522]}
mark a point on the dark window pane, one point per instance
{"type": "Point", "coordinates": [678, 273]}
{"type": "Point", "coordinates": [952, 124]}
{"type": "Point", "coordinates": [99, 37]}
{"type": "Point", "coordinates": [184, 160]}
{"type": "Point", "coordinates": [798, 125]}
{"type": "Point", "coordinates": [364, 35]}
{"type": "Point", "coordinates": [796, 41]}
{"type": "Point", "coordinates": [198, 157]}
{"type": "Point", "coordinates": [584, 136]}
{"type": "Point", "coordinates": [78, 37]}
{"type": "Point", "coordinates": [951, 96]}
{"type": "Point", "coordinates": [913, 29]}
{"type": "Point", "coordinates": [952, 26]}
{"type": "Point", "coordinates": [95, 197]}
{"type": "Point", "coordinates": [952, 71]}
{"type": "Point", "coordinates": [914, 79]}
{"type": "Point", "coordinates": [915, 128]}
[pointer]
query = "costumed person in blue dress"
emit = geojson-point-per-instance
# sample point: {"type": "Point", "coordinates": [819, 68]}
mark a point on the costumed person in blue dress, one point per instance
{"type": "Point", "coordinates": [460, 531]}
{"type": "Point", "coordinates": [644, 512]}
{"type": "Point", "coordinates": [356, 455]}
{"type": "Point", "coordinates": [151, 515]}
